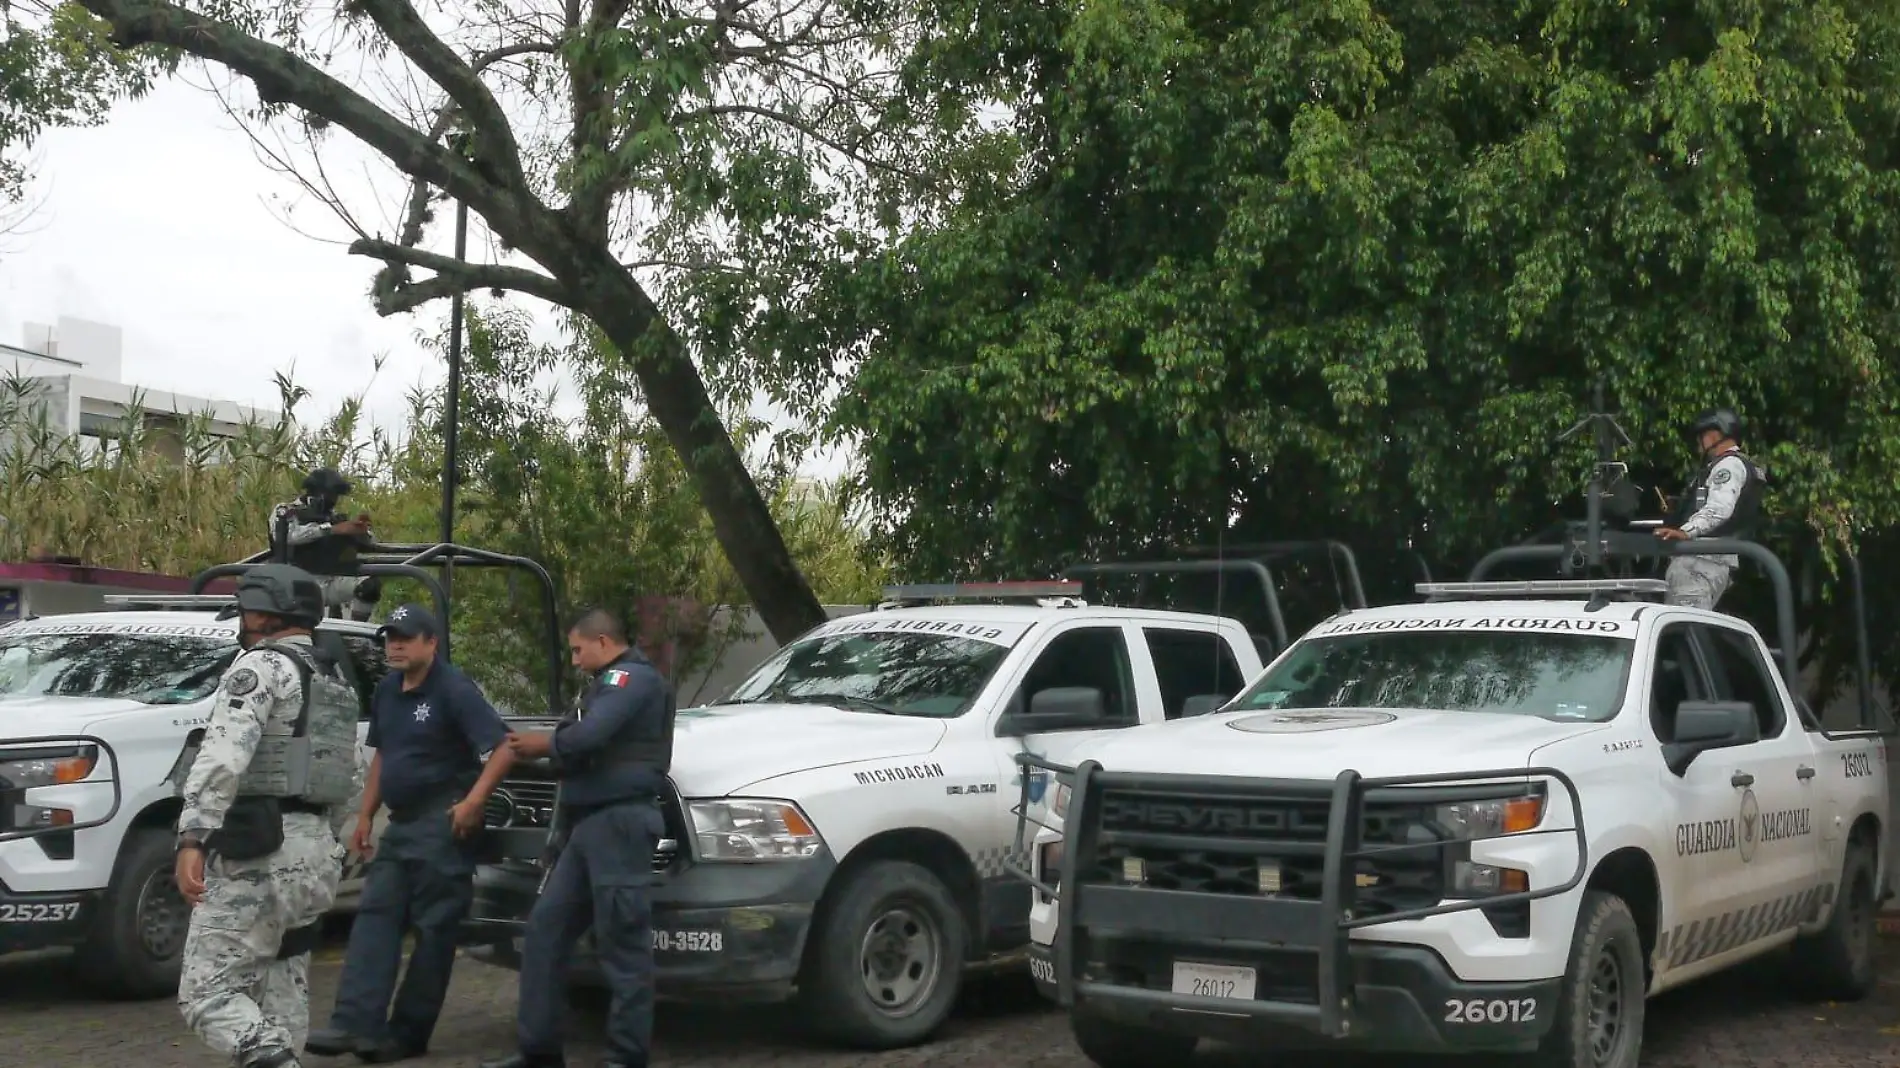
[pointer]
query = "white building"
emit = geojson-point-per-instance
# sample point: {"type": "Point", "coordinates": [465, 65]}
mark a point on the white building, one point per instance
{"type": "Point", "coordinates": [76, 368]}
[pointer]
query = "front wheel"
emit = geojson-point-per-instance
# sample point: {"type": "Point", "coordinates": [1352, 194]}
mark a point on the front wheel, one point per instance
{"type": "Point", "coordinates": [1115, 1044]}
{"type": "Point", "coordinates": [1599, 1019]}
{"type": "Point", "coordinates": [886, 958]}
{"type": "Point", "coordinates": [137, 940]}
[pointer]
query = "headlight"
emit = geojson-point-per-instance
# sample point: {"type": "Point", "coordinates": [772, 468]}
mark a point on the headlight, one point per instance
{"type": "Point", "coordinates": [734, 829]}
{"type": "Point", "coordinates": [1467, 820]}
{"type": "Point", "coordinates": [1059, 804]}
{"type": "Point", "coordinates": [56, 768]}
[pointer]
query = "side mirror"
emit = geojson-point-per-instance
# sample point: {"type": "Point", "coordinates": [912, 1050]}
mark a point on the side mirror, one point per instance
{"type": "Point", "coordinates": [1203, 703]}
{"type": "Point", "coordinates": [1059, 708]}
{"type": "Point", "coordinates": [1705, 725]}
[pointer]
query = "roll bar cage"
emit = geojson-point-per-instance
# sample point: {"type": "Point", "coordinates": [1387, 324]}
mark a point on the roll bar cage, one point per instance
{"type": "Point", "coordinates": [1254, 560]}
{"type": "Point", "coordinates": [419, 562]}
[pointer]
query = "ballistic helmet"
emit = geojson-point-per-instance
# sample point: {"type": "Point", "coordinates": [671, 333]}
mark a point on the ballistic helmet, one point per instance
{"type": "Point", "coordinates": [290, 593]}
{"type": "Point", "coordinates": [326, 482]}
{"type": "Point", "coordinates": [1723, 421]}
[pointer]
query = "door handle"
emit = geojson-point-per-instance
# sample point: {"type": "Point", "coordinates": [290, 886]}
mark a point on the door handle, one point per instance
{"type": "Point", "coordinates": [1741, 779]}
{"type": "Point", "coordinates": [1804, 773]}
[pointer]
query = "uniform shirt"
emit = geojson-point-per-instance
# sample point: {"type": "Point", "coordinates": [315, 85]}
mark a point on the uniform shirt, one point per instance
{"type": "Point", "coordinates": [261, 686]}
{"type": "Point", "coordinates": [627, 702]}
{"type": "Point", "coordinates": [1726, 495]}
{"type": "Point", "coordinates": [431, 738]}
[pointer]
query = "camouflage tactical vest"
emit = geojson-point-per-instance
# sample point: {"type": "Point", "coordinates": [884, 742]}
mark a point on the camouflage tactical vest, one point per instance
{"type": "Point", "coordinates": [312, 759]}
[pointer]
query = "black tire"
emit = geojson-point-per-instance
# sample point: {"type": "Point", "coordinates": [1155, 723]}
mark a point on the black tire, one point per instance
{"type": "Point", "coordinates": [137, 936]}
{"type": "Point", "coordinates": [1599, 1014]}
{"type": "Point", "coordinates": [1116, 1044]}
{"type": "Point", "coordinates": [1839, 962]}
{"type": "Point", "coordinates": [885, 959]}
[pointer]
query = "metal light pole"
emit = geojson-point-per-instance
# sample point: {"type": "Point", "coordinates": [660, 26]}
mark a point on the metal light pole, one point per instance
{"type": "Point", "coordinates": [451, 472]}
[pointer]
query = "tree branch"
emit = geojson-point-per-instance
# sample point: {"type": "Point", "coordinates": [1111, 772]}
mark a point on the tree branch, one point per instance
{"type": "Point", "coordinates": [493, 136]}
{"type": "Point", "coordinates": [282, 77]}
{"type": "Point", "coordinates": [394, 294]}
{"type": "Point", "coordinates": [806, 128]}
{"type": "Point", "coordinates": [416, 216]}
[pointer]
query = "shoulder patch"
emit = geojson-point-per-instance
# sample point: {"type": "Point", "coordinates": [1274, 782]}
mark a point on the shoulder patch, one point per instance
{"type": "Point", "coordinates": [1723, 476]}
{"type": "Point", "coordinates": [241, 682]}
{"type": "Point", "coordinates": [616, 678]}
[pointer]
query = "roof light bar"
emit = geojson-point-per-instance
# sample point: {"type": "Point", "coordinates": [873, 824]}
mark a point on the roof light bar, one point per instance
{"type": "Point", "coordinates": [168, 600]}
{"type": "Point", "coordinates": [973, 591]}
{"type": "Point", "coordinates": [1543, 588]}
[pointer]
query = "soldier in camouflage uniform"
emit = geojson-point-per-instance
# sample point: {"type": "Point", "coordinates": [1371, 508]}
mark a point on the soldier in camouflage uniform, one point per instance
{"type": "Point", "coordinates": [258, 850]}
{"type": "Point", "coordinates": [310, 533]}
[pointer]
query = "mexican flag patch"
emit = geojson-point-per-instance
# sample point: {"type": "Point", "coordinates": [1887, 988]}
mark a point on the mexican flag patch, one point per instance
{"type": "Point", "coordinates": [615, 678]}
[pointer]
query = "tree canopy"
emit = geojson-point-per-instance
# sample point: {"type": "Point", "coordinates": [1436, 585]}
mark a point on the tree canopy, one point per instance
{"type": "Point", "coordinates": [1262, 268]}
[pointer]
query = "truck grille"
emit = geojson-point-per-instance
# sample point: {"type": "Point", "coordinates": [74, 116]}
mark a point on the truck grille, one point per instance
{"type": "Point", "coordinates": [524, 802]}
{"type": "Point", "coordinates": [1221, 845]}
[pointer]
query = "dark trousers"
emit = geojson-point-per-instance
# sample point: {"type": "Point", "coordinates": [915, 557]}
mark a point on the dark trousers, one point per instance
{"type": "Point", "coordinates": [603, 878]}
{"type": "Point", "coordinates": [422, 879]}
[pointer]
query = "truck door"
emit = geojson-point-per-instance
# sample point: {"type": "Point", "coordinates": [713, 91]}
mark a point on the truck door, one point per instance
{"type": "Point", "coordinates": [1094, 654]}
{"type": "Point", "coordinates": [1780, 845]}
{"type": "Point", "coordinates": [1704, 882]}
{"type": "Point", "coordinates": [1195, 669]}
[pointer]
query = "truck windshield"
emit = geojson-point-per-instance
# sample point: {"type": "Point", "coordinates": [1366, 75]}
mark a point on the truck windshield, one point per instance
{"type": "Point", "coordinates": [164, 669]}
{"type": "Point", "coordinates": [893, 672]}
{"type": "Point", "coordinates": [1553, 676]}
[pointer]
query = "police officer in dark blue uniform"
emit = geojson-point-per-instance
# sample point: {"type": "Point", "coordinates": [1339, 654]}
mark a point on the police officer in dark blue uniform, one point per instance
{"type": "Point", "coordinates": [612, 754]}
{"type": "Point", "coordinates": [439, 755]}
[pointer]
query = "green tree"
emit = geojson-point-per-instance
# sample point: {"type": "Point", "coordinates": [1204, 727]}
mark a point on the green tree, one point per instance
{"type": "Point", "coordinates": [57, 68]}
{"type": "Point", "coordinates": [668, 170]}
{"type": "Point", "coordinates": [1349, 268]}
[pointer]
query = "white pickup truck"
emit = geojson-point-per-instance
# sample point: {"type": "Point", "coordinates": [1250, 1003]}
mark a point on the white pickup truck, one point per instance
{"type": "Point", "coordinates": [839, 824]}
{"type": "Point", "coordinates": [100, 717]}
{"type": "Point", "coordinates": [1495, 821]}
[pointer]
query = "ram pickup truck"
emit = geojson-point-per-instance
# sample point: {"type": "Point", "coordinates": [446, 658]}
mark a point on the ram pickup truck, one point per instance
{"type": "Point", "coordinates": [839, 824]}
{"type": "Point", "coordinates": [1495, 821]}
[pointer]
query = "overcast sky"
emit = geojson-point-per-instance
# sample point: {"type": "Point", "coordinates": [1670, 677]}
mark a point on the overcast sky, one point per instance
{"type": "Point", "coordinates": [161, 223]}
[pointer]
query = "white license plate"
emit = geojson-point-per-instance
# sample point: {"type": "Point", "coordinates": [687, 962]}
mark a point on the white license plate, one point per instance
{"type": "Point", "coordinates": [1218, 981]}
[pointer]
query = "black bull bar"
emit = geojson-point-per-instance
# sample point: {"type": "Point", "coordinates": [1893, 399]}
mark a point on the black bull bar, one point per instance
{"type": "Point", "coordinates": [1320, 929]}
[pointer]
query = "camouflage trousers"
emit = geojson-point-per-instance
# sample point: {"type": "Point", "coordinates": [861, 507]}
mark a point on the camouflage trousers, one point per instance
{"type": "Point", "coordinates": [339, 595]}
{"type": "Point", "coordinates": [1699, 581]}
{"type": "Point", "coordinates": [235, 994]}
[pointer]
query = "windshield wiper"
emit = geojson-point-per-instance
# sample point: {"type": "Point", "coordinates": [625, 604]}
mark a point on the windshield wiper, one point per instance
{"type": "Point", "coordinates": [845, 700]}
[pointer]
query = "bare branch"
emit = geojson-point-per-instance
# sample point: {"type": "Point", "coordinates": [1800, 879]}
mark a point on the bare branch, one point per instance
{"type": "Point", "coordinates": [416, 216]}
{"type": "Point", "coordinates": [493, 136]}
{"type": "Point", "coordinates": [282, 77]}
{"type": "Point", "coordinates": [394, 293]}
{"type": "Point", "coordinates": [803, 127]}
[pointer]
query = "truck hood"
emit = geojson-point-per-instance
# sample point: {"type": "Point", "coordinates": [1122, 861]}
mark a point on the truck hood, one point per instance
{"type": "Point", "coordinates": [1319, 743]}
{"type": "Point", "coordinates": [35, 717]}
{"type": "Point", "coordinates": [724, 748]}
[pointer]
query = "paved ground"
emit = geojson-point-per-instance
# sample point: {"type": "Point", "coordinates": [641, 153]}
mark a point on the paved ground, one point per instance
{"type": "Point", "coordinates": [1735, 1021]}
